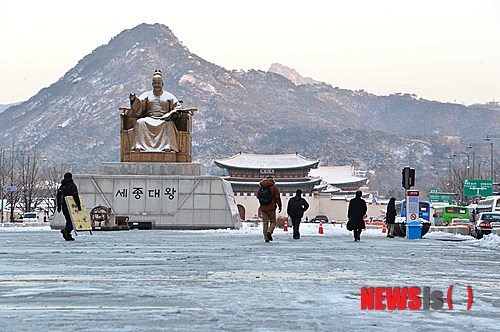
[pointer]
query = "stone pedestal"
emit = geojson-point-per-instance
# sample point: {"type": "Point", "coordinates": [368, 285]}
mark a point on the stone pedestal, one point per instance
{"type": "Point", "coordinates": [162, 195]}
{"type": "Point", "coordinates": [189, 169]}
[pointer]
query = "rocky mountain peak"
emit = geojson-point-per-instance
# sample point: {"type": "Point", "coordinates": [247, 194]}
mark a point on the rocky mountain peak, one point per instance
{"type": "Point", "coordinates": [291, 74]}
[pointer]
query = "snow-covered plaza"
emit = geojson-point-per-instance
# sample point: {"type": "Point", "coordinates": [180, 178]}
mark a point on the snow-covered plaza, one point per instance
{"type": "Point", "coordinates": [231, 280]}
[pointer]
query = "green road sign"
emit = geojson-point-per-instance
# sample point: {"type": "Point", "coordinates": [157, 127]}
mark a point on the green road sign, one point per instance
{"type": "Point", "coordinates": [440, 197]}
{"type": "Point", "coordinates": [478, 188]}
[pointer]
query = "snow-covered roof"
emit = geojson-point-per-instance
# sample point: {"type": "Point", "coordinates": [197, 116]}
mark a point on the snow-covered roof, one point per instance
{"type": "Point", "coordinates": [278, 183]}
{"type": "Point", "coordinates": [335, 175]}
{"type": "Point", "coordinates": [266, 161]}
{"type": "Point", "coordinates": [330, 189]}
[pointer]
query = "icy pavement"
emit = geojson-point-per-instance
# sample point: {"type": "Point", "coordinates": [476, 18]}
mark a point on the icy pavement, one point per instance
{"type": "Point", "coordinates": [230, 280]}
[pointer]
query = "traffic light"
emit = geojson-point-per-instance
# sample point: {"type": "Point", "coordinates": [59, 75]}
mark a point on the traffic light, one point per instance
{"type": "Point", "coordinates": [408, 177]}
{"type": "Point", "coordinates": [405, 173]}
{"type": "Point", "coordinates": [411, 177]}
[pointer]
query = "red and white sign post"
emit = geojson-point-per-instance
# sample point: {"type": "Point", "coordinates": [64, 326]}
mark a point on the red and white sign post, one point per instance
{"type": "Point", "coordinates": [412, 208]}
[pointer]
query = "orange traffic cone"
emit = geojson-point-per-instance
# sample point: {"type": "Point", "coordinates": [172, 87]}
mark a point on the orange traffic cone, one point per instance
{"type": "Point", "coordinates": [285, 226]}
{"type": "Point", "coordinates": [320, 229]}
{"type": "Point", "coordinates": [384, 230]}
{"type": "Point", "coordinates": [341, 225]}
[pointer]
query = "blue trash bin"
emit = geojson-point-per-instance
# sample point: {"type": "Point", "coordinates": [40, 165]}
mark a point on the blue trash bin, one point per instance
{"type": "Point", "coordinates": [413, 230]}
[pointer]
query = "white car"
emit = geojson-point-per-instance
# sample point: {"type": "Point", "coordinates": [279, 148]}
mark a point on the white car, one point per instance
{"type": "Point", "coordinates": [30, 217]}
{"type": "Point", "coordinates": [485, 223]}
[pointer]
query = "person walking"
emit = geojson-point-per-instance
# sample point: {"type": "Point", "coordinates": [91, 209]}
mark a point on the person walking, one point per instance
{"type": "Point", "coordinates": [390, 217]}
{"type": "Point", "coordinates": [67, 188]}
{"type": "Point", "coordinates": [269, 198]}
{"type": "Point", "coordinates": [355, 213]}
{"type": "Point", "coordinates": [296, 207]}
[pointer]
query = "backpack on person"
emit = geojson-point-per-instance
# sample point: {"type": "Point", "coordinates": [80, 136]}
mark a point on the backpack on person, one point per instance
{"type": "Point", "coordinates": [295, 207]}
{"type": "Point", "coordinates": [265, 196]}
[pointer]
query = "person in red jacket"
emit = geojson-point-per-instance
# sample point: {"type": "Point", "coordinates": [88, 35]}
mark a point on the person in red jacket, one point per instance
{"type": "Point", "coordinates": [269, 198]}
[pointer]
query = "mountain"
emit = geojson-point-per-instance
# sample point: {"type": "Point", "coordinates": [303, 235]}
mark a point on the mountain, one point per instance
{"type": "Point", "coordinates": [75, 121]}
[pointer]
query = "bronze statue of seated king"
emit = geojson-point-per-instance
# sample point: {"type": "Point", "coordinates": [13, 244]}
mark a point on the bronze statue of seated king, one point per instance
{"type": "Point", "coordinates": [155, 128]}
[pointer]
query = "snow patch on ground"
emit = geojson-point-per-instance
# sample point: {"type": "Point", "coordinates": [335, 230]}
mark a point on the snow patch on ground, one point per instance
{"type": "Point", "coordinates": [20, 228]}
{"type": "Point", "coordinates": [214, 280]}
{"type": "Point", "coordinates": [491, 241]}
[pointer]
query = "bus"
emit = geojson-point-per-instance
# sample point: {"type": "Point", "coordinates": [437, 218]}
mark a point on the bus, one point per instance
{"type": "Point", "coordinates": [444, 214]}
{"type": "Point", "coordinates": [424, 209]}
{"type": "Point", "coordinates": [489, 204]}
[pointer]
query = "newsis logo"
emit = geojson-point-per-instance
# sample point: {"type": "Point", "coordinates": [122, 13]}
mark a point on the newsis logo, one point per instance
{"type": "Point", "coordinates": [408, 298]}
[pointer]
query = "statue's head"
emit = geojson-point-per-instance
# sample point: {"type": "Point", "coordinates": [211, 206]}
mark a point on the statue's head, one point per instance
{"type": "Point", "coordinates": [157, 81]}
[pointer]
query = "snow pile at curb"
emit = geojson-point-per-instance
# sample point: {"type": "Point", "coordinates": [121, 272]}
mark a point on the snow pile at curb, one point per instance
{"type": "Point", "coordinates": [491, 241]}
{"type": "Point", "coordinates": [447, 236]}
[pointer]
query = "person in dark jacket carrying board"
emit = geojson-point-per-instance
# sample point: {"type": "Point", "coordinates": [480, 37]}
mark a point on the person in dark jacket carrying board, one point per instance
{"type": "Point", "coordinates": [67, 188]}
{"type": "Point", "coordinates": [355, 213]}
{"type": "Point", "coordinates": [296, 207]}
{"type": "Point", "coordinates": [390, 217]}
{"type": "Point", "coordinates": [269, 198]}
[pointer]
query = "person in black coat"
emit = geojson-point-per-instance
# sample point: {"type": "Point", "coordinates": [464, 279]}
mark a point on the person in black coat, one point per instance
{"type": "Point", "coordinates": [390, 217]}
{"type": "Point", "coordinates": [355, 214]}
{"type": "Point", "coordinates": [297, 205]}
{"type": "Point", "coordinates": [67, 188]}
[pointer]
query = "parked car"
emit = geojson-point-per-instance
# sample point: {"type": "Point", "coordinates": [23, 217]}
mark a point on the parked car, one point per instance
{"type": "Point", "coordinates": [375, 222]}
{"type": "Point", "coordinates": [254, 219]}
{"type": "Point", "coordinates": [318, 218]}
{"type": "Point", "coordinates": [30, 217]}
{"type": "Point", "coordinates": [485, 223]}
{"type": "Point", "coordinates": [462, 222]}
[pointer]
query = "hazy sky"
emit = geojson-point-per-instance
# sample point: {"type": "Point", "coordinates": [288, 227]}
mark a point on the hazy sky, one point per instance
{"type": "Point", "coordinates": [439, 50]}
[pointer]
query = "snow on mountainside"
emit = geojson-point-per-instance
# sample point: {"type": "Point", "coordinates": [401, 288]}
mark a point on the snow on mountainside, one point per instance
{"type": "Point", "coordinates": [76, 119]}
{"type": "Point", "coordinates": [4, 107]}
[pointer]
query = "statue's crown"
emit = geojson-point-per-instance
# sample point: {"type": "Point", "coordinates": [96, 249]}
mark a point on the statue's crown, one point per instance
{"type": "Point", "coordinates": [157, 73]}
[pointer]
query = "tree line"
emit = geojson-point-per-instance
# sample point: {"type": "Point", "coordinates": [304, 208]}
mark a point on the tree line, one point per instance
{"type": "Point", "coordinates": [27, 181]}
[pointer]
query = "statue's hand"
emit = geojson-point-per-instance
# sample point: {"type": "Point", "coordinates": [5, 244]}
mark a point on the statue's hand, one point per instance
{"type": "Point", "coordinates": [132, 97]}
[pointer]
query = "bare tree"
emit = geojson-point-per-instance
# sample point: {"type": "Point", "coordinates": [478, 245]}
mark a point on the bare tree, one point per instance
{"type": "Point", "coordinates": [454, 182]}
{"type": "Point", "coordinates": [3, 176]}
{"type": "Point", "coordinates": [51, 175]}
{"type": "Point", "coordinates": [29, 179]}
{"type": "Point", "coordinates": [11, 180]}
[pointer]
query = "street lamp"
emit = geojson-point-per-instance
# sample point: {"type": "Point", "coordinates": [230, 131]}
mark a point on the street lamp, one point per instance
{"type": "Point", "coordinates": [489, 138]}
{"type": "Point", "coordinates": [491, 155]}
{"type": "Point", "coordinates": [450, 158]}
{"type": "Point", "coordinates": [473, 160]}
